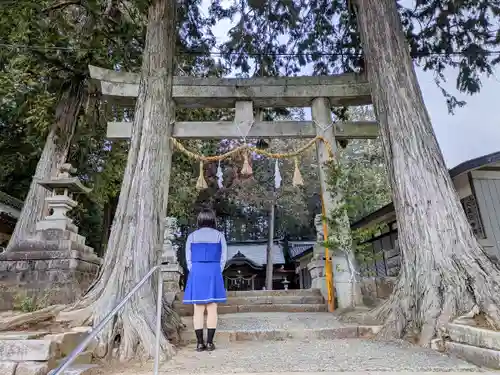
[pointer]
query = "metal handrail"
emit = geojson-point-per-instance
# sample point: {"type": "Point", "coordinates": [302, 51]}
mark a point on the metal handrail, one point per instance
{"type": "Point", "coordinates": [81, 347]}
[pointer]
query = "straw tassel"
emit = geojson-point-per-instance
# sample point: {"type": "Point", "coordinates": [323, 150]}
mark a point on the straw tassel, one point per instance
{"type": "Point", "coordinates": [246, 169]}
{"type": "Point", "coordinates": [297, 176]}
{"type": "Point", "coordinates": [201, 183]}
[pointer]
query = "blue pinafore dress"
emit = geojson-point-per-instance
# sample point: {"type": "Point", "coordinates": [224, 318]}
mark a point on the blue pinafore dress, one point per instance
{"type": "Point", "coordinates": [205, 283]}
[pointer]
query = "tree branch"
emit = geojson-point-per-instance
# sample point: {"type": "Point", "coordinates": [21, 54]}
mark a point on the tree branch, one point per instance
{"type": "Point", "coordinates": [61, 5]}
{"type": "Point", "coordinates": [55, 62]}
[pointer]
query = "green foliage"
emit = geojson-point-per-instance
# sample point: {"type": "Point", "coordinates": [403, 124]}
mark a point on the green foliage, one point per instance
{"type": "Point", "coordinates": [26, 303]}
{"type": "Point", "coordinates": [336, 218]}
{"type": "Point", "coordinates": [363, 249]}
{"type": "Point", "coordinates": [245, 202]}
{"type": "Point", "coordinates": [359, 174]}
{"type": "Point", "coordinates": [323, 35]}
{"type": "Point", "coordinates": [47, 43]}
{"type": "Point", "coordinates": [358, 239]}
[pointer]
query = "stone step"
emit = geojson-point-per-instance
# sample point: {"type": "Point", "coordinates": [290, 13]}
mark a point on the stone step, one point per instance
{"type": "Point", "coordinates": [22, 335]}
{"type": "Point", "coordinates": [278, 300]}
{"type": "Point", "coordinates": [38, 345]}
{"type": "Point", "coordinates": [483, 338]}
{"type": "Point", "coordinates": [84, 358]}
{"type": "Point", "coordinates": [35, 353]}
{"type": "Point", "coordinates": [279, 326]}
{"type": "Point", "coordinates": [68, 341]}
{"type": "Point", "coordinates": [81, 370]}
{"type": "Point", "coordinates": [269, 300]}
{"type": "Point", "coordinates": [478, 356]}
{"type": "Point", "coordinates": [8, 367]}
{"type": "Point", "coordinates": [228, 336]}
{"type": "Point", "coordinates": [28, 350]}
{"type": "Point", "coordinates": [40, 368]}
{"type": "Point", "coordinates": [257, 293]}
{"type": "Point", "coordinates": [187, 310]}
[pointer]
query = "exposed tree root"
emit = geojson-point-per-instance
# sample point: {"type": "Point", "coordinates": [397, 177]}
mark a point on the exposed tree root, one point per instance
{"type": "Point", "coordinates": [465, 284]}
{"type": "Point", "coordinates": [30, 318]}
{"type": "Point", "coordinates": [444, 271]}
{"type": "Point", "coordinates": [131, 334]}
{"type": "Point", "coordinates": [137, 230]}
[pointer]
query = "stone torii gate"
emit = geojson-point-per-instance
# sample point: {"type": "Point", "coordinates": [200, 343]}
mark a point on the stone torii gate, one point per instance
{"type": "Point", "coordinates": [120, 90]}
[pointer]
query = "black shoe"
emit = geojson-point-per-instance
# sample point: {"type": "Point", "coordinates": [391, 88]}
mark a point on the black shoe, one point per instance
{"type": "Point", "coordinates": [201, 347]}
{"type": "Point", "coordinates": [210, 339]}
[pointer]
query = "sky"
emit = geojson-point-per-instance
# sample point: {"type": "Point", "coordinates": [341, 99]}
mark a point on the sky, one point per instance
{"type": "Point", "coordinates": [473, 130]}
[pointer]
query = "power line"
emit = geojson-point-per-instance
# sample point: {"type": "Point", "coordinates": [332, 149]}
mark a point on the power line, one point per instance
{"type": "Point", "coordinates": [249, 54]}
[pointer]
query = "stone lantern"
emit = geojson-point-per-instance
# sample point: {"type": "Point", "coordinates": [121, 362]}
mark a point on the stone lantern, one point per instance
{"type": "Point", "coordinates": [342, 276]}
{"type": "Point", "coordinates": [54, 264]}
{"type": "Point", "coordinates": [171, 269]}
{"type": "Point", "coordinates": [285, 283]}
{"type": "Point", "coordinates": [63, 189]}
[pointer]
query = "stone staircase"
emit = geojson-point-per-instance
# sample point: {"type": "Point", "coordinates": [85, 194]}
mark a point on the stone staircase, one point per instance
{"type": "Point", "coordinates": [37, 353]}
{"type": "Point", "coordinates": [302, 343]}
{"type": "Point", "coordinates": [279, 326]}
{"type": "Point", "coordinates": [264, 332]}
{"type": "Point", "coordinates": [477, 345]}
{"type": "Point", "coordinates": [291, 301]}
{"type": "Point", "coordinates": [273, 315]}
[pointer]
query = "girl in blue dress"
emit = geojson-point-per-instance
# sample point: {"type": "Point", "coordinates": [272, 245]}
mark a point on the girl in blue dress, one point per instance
{"type": "Point", "coordinates": [206, 254]}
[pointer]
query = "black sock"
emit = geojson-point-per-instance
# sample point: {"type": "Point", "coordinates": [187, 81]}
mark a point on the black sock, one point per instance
{"type": "Point", "coordinates": [199, 335]}
{"type": "Point", "coordinates": [210, 336]}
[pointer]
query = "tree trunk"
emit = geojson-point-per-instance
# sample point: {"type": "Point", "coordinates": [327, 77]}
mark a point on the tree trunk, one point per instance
{"type": "Point", "coordinates": [109, 213]}
{"type": "Point", "coordinates": [53, 155]}
{"type": "Point", "coordinates": [137, 231]}
{"type": "Point", "coordinates": [270, 242]}
{"type": "Point", "coordinates": [444, 271]}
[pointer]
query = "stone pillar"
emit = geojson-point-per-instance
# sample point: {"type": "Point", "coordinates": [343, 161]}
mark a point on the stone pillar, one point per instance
{"type": "Point", "coordinates": [316, 266]}
{"type": "Point", "coordinates": [171, 269]}
{"type": "Point", "coordinates": [54, 266]}
{"type": "Point", "coordinates": [343, 280]}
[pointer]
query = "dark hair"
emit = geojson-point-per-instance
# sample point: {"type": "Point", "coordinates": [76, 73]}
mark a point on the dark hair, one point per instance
{"type": "Point", "coordinates": [206, 219]}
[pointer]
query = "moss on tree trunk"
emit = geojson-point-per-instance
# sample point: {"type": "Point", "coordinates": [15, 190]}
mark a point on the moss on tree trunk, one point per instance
{"type": "Point", "coordinates": [53, 155]}
{"type": "Point", "coordinates": [444, 272]}
{"type": "Point", "coordinates": [137, 230]}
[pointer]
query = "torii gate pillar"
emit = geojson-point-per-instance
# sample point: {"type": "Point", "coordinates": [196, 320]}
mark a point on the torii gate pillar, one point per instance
{"type": "Point", "coordinates": [329, 268]}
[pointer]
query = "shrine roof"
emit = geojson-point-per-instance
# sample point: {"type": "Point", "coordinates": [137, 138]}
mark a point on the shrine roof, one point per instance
{"type": "Point", "coordinates": [300, 248]}
{"type": "Point", "coordinates": [255, 253]}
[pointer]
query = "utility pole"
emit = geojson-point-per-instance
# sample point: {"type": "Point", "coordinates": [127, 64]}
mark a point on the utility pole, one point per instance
{"type": "Point", "coordinates": [270, 243]}
{"type": "Point", "coordinates": [259, 116]}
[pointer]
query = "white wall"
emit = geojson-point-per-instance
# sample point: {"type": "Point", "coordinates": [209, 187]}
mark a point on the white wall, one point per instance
{"type": "Point", "coordinates": [487, 189]}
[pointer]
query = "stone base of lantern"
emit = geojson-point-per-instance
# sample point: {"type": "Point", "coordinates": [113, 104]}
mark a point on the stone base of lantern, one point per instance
{"type": "Point", "coordinates": [342, 280]}
{"type": "Point", "coordinates": [171, 274]}
{"type": "Point", "coordinates": [53, 267]}
{"type": "Point", "coordinates": [316, 269]}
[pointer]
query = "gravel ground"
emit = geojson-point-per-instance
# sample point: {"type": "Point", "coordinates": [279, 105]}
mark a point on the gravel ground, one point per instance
{"type": "Point", "coordinates": [313, 356]}
{"type": "Point", "coordinates": [301, 356]}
